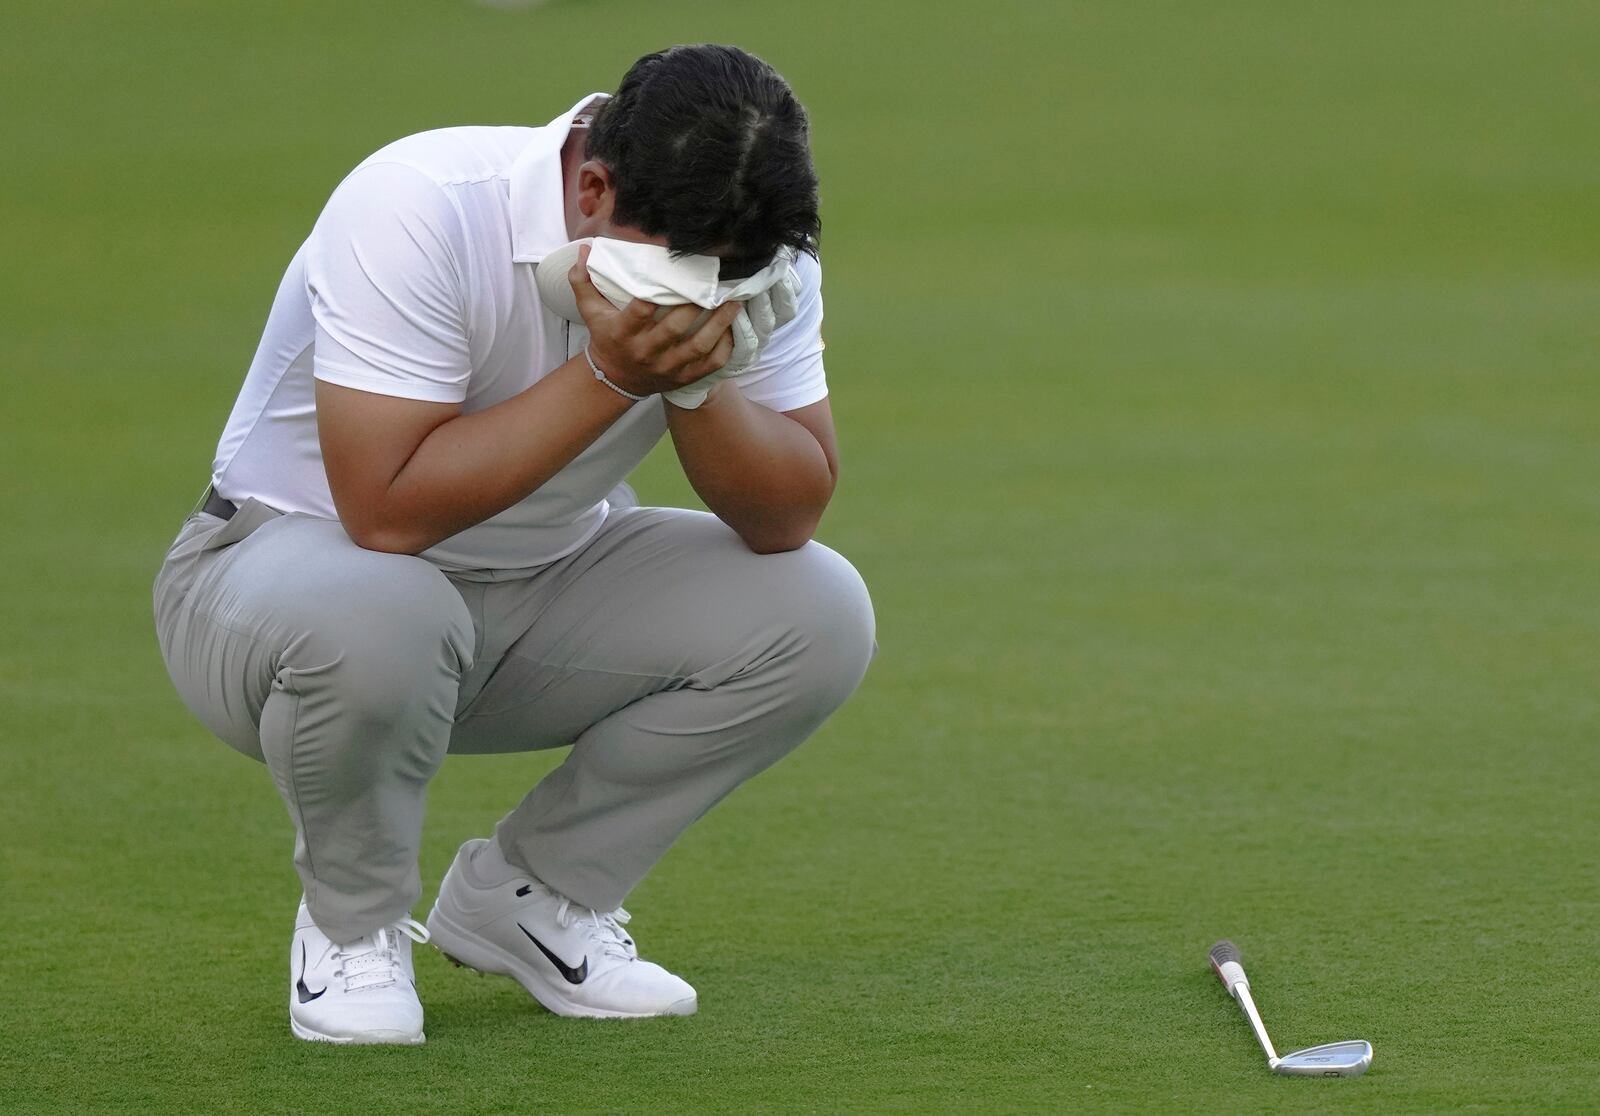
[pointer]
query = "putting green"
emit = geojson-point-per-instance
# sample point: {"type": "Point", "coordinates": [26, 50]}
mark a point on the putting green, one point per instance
{"type": "Point", "coordinates": [1218, 399]}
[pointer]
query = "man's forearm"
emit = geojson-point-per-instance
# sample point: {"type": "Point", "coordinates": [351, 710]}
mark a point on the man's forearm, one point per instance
{"type": "Point", "coordinates": [406, 474]}
{"type": "Point", "coordinates": [474, 466]}
{"type": "Point", "coordinates": [761, 472]}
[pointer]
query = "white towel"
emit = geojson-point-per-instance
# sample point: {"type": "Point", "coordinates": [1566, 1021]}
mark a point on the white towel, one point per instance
{"type": "Point", "coordinates": [623, 270]}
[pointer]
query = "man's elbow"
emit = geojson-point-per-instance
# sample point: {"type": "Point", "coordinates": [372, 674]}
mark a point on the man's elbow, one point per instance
{"type": "Point", "coordinates": [779, 538]}
{"type": "Point", "coordinates": [387, 538]}
{"type": "Point", "coordinates": [776, 545]}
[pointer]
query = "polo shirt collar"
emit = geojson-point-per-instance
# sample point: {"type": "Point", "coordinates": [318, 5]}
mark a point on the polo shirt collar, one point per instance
{"type": "Point", "coordinates": [538, 203]}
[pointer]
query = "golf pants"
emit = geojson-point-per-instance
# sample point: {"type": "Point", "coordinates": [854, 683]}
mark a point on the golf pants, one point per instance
{"type": "Point", "coordinates": [676, 662]}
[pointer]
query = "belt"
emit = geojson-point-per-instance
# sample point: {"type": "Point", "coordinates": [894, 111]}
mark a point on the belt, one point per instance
{"type": "Point", "coordinates": [217, 506]}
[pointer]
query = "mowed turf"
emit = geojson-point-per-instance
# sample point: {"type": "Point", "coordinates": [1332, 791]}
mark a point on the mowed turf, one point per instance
{"type": "Point", "coordinates": [1217, 385]}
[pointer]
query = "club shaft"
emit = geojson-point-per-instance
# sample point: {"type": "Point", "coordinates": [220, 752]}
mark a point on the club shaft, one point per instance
{"type": "Point", "coordinates": [1241, 992]}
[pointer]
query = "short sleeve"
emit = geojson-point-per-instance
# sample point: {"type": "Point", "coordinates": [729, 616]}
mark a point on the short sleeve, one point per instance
{"type": "Point", "coordinates": [386, 289]}
{"type": "Point", "coordinates": [788, 375]}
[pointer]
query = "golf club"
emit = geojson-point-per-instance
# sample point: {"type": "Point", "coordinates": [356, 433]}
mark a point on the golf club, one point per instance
{"type": "Point", "coordinates": [1333, 1059]}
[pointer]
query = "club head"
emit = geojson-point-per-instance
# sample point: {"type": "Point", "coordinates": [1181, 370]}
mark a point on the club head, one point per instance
{"type": "Point", "coordinates": [1332, 1059]}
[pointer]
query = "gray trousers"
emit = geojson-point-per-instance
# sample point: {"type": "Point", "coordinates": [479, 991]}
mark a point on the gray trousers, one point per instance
{"type": "Point", "coordinates": [676, 663]}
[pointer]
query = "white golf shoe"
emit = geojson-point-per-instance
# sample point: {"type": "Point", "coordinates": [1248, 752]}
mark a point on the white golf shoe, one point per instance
{"type": "Point", "coordinates": [363, 991]}
{"type": "Point", "coordinates": [573, 960]}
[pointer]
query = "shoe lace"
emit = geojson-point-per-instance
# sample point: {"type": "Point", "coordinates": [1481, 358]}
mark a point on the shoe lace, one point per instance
{"type": "Point", "coordinates": [374, 961]}
{"type": "Point", "coordinates": [603, 929]}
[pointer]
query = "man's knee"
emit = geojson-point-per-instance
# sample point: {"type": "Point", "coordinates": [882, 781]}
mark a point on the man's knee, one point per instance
{"type": "Point", "coordinates": [833, 620]}
{"type": "Point", "coordinates": [390, 628]}
{"type": "Point", "coordinates": [383, 634]}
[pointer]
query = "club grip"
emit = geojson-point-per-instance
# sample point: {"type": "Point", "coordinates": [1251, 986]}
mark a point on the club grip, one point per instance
{"type": "Point", "coordinates": [1225, 960]}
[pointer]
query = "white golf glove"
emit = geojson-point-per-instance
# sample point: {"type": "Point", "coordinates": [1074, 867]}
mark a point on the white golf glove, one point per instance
{"type": "Point", "coordinates": [771, 297]}
{"type": "Point", "coordinates": [623, 270]}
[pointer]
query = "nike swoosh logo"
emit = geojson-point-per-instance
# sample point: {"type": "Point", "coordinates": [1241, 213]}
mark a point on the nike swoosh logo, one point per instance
{"type": "Point", "coordinates": [306, 995]}
{"type": "Point", "coordinates": [574, 976]}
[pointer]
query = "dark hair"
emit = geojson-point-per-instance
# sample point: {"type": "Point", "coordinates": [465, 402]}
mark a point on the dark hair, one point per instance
{"type": "Point", "coordinates": [708, 147]}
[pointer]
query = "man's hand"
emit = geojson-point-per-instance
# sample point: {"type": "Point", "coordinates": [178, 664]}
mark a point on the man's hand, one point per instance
{"type": "Point", "coordinates": [646, 354]}
{"type": "Point", "coordinates": [776, 306]}
{"type": "Point", "coordinates": [759, 316]}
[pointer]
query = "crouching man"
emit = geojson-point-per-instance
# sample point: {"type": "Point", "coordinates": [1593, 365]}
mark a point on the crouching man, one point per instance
{"type": "Point", "coordinates": [417, 540]}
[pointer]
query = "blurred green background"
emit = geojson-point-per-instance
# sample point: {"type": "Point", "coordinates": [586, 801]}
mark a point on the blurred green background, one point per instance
{"type": "Point", "coordinates": [1218, 394]}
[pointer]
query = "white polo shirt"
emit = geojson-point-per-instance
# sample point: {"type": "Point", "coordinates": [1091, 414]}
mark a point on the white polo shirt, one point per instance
{"type": "Point", "coordinates": [417, 281]}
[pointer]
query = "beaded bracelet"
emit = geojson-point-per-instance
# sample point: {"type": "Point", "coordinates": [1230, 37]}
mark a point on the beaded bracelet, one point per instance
{"type": "Point", "coordinates": [604, 379]}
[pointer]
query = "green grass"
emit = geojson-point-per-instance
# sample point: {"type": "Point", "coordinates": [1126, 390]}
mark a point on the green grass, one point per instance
{"type": "Point", "coordinates": [1218, 392]}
